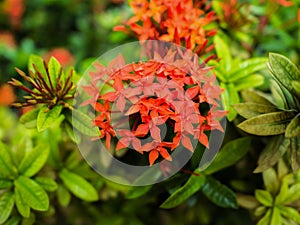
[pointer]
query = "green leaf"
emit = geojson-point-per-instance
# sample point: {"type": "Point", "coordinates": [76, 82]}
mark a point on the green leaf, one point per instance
{"type": "Point", "coordinates": [295, 154]}
{"type": "Point", "coordinates": [290, 213]}
{"type": "Point", "coordinates": [32, 193]}
{"type": "Point", "coordinates": [47, 117]}
{"type": "Point", "coordinates": [249, 109]}
{"type": "Point", "coordinates": [5, 183]}
{"type": "Point", "coordinates": [271, 154]}
{"type": "Point", "coordinates": [247, 201]}
{"type": "Point", "coordinates": [255, 96]}
{"type": "Point", "coordinates": [246, 68]}
{"type": "Point", "coordinates": [276, 218]}
{"type": "Point", "coordinates": [21, 204]}
{"type": "Point", "coordinates": [63, 196]}
{"type": "Point", "coordinates": [34, 160]}
{"type": "Point", "coordinates": [39, 64]}
{"type": "Point", "coordinates": [47, 183]}
{"type": "Point", "coordinates": [29, 221]}
{"type": "Point", "coordinates": [267, 124]}
{"type": "Point", "coordinates": [266, 218]}
{"type": "Point", "coordinates": [223, 53]}
{"type": "Point", "coordinates": [271, 181]}
{"type": "Point", "coordinates": [83, 123]}
{"type": "Point", "coordinates": [193, 185]}
{"type": "Point", "coordinates": [54, 69]}
{"type": "Point", "coordinates": [230, 153]}
{"type": "Point", "coordinates": [219, 194]}
{"type": "Point", "coordinates": [260, 210]}
{"type": "Point", "coordinates": [229, 97]}
{"type": "Point", "coordinates": [293, 194]}
{"type": "Point", "coordinates": [284, 70]}
{"type": "Point", "coordinates": [278, 96]}
{"type": "Point", "coordinates": [293, 129]}
{"type": "Point", "coordinates": [78, 186]}
{"type": "Point", "coordinates": [6, 206]}
{"type": "Point", "coordinates": [296, 86]}
{"type": "Point", "coordinates": [264, 197]}
{"type": "Point", "coordinates": [137, 191]}
{"type": "Point", "coordinates": [29, 119]}
{"type": "Point", "coordinates": [15, 220]}
{"type": "Point", "coordinates": [7, 168]}
{"type": "Point", "coordinates": [284, 190]}
{"type": "Point", "coordinates": [255, 80]}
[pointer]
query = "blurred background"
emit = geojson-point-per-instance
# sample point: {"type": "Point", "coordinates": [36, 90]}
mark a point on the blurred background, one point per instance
{"type": "Point", "coordinates": [76, 32]}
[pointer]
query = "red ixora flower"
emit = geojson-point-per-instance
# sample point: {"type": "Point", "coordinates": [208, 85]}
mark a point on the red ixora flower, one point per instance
{"type": "Point", "coordinates": [153, 95]}
{"type": "Point", "coordinates": [183, 22]}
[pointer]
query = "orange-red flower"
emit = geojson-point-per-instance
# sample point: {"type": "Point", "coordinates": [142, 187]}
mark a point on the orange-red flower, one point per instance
{"type": "Point", "coordinates": [156, 95]}
{"type": "Point", "coordinates": [180, 21]}
{"type": "Point", "coordinates": [63, 56]}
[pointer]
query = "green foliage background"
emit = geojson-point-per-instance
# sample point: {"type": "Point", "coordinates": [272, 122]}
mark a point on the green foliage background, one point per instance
{"type": "Point", "coordinates": [254, 179]}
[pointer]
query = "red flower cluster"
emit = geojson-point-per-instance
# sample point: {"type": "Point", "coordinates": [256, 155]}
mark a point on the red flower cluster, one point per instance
{"type": "Point", "coordinates": [164, 92]}
{"type": "Point", "coordinates": [179, 21]}
{"type": "Point", "coordinates": [15, 10]}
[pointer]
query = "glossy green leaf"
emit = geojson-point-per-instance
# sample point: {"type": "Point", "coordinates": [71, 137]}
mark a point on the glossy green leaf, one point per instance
{"type": "Point", "coordinates": [271, 154]}
{"type": "Point", "coordinates": [293, 194]}
{"type": "Point", "coordinates": [264, 197]}
{"type": "Point", "coordinates": [255, 80]}
{"type": "Point", "coordinates": [267, 124]}
{"type": "Point", "coordinates": [219, 194]}
{"type": "Point", "coordinates": [255, 96]}
{"type": "Point", "coordinates": [276, 218]}
{"type": "Point", "coordinates": [32, 193]}
{"type": "Point", "coordinates": [229, 97]}
{"type": "Point", "coordinates": [21, 204]}
{"type": "Point", "coordinates": [295, 154]}
{"type": "Point", "coordinates": [78, 186]}
{"type": "Point", "coordinates": [246, 68]}
{"type": "Point", "coordinates": [34, 160]}
{"type": "Point", "coordinates": [278, 96]}
{"type": "Point", "coordinates": [265, 220]}
{"type": "Point", "coordinates": [271, 181]}
{"type": "Point", "coordinates": [223, 53]}
{"type": "Point", "coordinates": [7, 168]}
{"type": "Point", "coordinates": [39, 64]}
{"type": "Point", "coordinates": [137, 191]}
{"type": "Point", "coordinates": [284, 70]}
{"type": "Point", "coordinates": [47, 117]}
{"type": "Point", "coordinates": [193, 185]}
{"type": "Point", "coordinates": [260, 210]}
{"type": "Point", "coordinates": [6, 206]}
{"type": "Point", "coordinates": [5, 183]}
{"type": "Point", "coordinates": [293, 129]}
{"type": "Point", "coordinates": [250, 109]}
{"type": "Point", "coordinates": [284, 190]}
{"type": "Point", "coordinates": [290, 213]}
{"type": "Point", "coordinates": [54, 69]}
{"type": "Point", "coordinates": [25, 144]}
{"type": "Point", "coordinates": [63, 196]}
{"type": "Point", "coordinates": [47, 183]}
{"type": "Point", "coordinates": [29, 119]}
{"type": "Point", "coordinates": [83, 123]}
{"type": "Point", "coordinates": [230, 153]}
{"type": "Point", "coordinates": [296, 86]}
